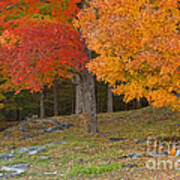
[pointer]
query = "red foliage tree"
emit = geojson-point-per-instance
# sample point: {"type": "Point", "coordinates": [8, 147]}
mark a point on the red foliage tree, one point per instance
{"type": "Point", "coordinates": [36, 54]}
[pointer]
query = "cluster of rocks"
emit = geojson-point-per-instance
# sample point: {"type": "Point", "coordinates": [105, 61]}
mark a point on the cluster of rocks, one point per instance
{"type": "Point", "coordinates": [17, 169]}
{"type": "Point", "coordinates": [55, 127]}
{"type": "Point", "coordinates": [13, 169]}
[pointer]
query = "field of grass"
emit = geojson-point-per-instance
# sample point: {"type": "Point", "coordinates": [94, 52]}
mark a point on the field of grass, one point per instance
{"type": "Point", "coordinates": [82, 156]}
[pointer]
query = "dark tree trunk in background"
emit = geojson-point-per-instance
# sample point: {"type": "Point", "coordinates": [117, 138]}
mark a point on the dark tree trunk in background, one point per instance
{"type": "Point", "coordinates": [73, 100]}
{"type": "Point", "coordinates": [42, 111]}
{"type": "Point", "coordinates": [89, 100]}
{"type": "Point", "coordinates": [18, 115]}
{"type": "Point", "coordinates": [139, 104]}
{"type": "Point", "coordinates": [79, 98]}
{"type": "Point", "coordinates": [55, 92]}
{"type": "Point", "coordinates": [110, 100]}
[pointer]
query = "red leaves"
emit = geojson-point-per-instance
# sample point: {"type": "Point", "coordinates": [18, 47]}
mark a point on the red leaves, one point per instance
{"type": "Point", "coordinates": [41, 53]}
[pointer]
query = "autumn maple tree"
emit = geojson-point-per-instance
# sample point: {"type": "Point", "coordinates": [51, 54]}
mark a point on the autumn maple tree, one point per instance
{"type": "Point", "coordinates": [138, 43]}
{"type": "Point", "coordinates": [38, 44]}
{"type": "Point", "coordinates": [37, 54]}
{"type": "Point", "coordinates": [35, 51]}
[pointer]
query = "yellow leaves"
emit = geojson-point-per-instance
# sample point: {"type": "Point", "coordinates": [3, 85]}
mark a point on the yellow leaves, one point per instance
{"type": "Point", "coordinates": [139, 47]}
{"type": "Point", "coordinates": [162, 97]}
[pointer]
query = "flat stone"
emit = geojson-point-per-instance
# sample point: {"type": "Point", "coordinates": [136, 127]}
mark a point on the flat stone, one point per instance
{"type": "Point", "coordinates": [25, 149]}
{"type": "Point", "coordinates": [62, 142]}
{"type": "Point", "coordinates": [26, 137]}
{"type": "Point", "coordinates": [36, 151]}
{"type": "Point", "coordinates": [57, 124]}
{"type": "Point", "coordinates": [7, 156]}
{"type": "Point", "coordinates": [81, 160]}
{"type": "Point", "coordinates": [142, 140]}
{"type": "Point", "coordinates": [164, 118]}
{"type": "Point", "coordinates": [22, 128]}
{"type": "Point", "coordinates": [131, 155]}
{"type": "Point", "coordinates": [44, 157]}
{"type": "Point", "coordinates": [49, 130]}
{"type": "Point", "coordinates": [52, 162]}
{"type": "Point", "coordinates": [105, 162]}
{"type": "Point", "coordinates": [128, 166]}
{"type": "Point", "coordinates": [28, 148]}
{"type": "Point", "coordinates": [116, 139]}
{"type": "Point", "coordinates": [41, 127]}
{"type": "Point", "coordinates": [157, 154]}
{"type": "Point", "coordinates": [16, 169]}
{"type": "Point", "coordinates": [20, 166]}
{"type": "Point", "coordinates": [67, 126]}
{"type": "Point", "coordinates": [50, 173]}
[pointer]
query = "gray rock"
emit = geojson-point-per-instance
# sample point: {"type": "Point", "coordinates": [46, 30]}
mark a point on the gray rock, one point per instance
{"type": "Point", "coordinates": [57, 124]}
{"type": "Point", "coordinates": [20, 166]}
{"type": "Point", "coordinates": [117, 139]}
{"type": "Point", "coordinates": [26, 137]}
{"type": "Point", "coordinates": [105, 162]}
{"type": "Point", "coordinates": [128, 166]}
{"type": "Point", "coordinates": [164, 118]}
{"type": "Point", "coordinates": [16, 170]}
{"type": "Point", "coordinates": [51, 162]}
{"type": "Point", "coordinates": [32, 149]}
{"type": "Point", "coordinates": [7, 156]}
{"type": "Point", "coordinates": [131, 155]}
{"type": "Point", "coordinates": [41, 128]}
{"type": "Point", "coordinates": [22, 128]}
{"type": "Point", "coordinates": [62, 142]}
{"type": "Point", "coordinates": [44, 157]}
{"type": "Point", "coordinates": [38, 150]}
{"type": "Point", "coordinates": [142, 140]}
{"type": "Point", "coordinates": [157, 154]}
{"type": "Point", "coordinates": [49, 130]}
{"type": "Point", "coordinates": [50, 173]}
{"type": "Point", "coordinates": [25, 149]}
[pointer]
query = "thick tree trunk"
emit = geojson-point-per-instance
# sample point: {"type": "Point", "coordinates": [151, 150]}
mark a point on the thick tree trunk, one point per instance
{"type": "Point", "coordinates": [110, 100]}
{"type": "Point", "coordinates": [42, 111]}
{"type": "Point", "coordinates": [55, 92]}
{"type": "Point", "coordinates": [79, 98]}
{"type": "Point", "coordinates": [89, 100]}
{"type": "Point", "coordinates": [87, 85]}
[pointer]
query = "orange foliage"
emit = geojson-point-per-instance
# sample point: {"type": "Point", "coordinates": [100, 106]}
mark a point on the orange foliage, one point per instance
{"type": "Point", "coordinates": [139, 46]}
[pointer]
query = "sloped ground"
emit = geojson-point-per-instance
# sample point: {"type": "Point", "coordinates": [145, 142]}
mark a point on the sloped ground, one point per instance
{"type": "Point", "coordinates": [119, 151]}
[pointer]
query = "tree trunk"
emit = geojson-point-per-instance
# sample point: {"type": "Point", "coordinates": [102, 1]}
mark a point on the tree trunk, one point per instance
{"type": "Point", "coordinates": [139, 104]}
{"type": "Point", "coordinates": [42, 111]}
{"type": "Point", "coordinates": [87, 85]}
{"type": "Point", "coordinates": [55, 92]}
{"type": "Point", "coordinates": [79, 99]}
{"type": "Point", "coordinates": [89, 100]}
{"type": "Point", "coordinates": [18, 114]}
{"type": "Point", "coordinates": [110, 100]}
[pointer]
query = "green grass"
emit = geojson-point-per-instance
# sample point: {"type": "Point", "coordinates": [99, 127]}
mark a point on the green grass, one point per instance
{"type": "Point", "coordinates": [83, 156]}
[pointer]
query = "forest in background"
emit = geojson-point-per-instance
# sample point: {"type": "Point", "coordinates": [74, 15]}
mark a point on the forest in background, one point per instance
{"type": "Point", "coordinates": [25, 104]}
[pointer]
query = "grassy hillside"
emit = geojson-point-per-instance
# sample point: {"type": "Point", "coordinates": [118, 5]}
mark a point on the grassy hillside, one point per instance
{"type": "Point", "coordinates": [73, 154]}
